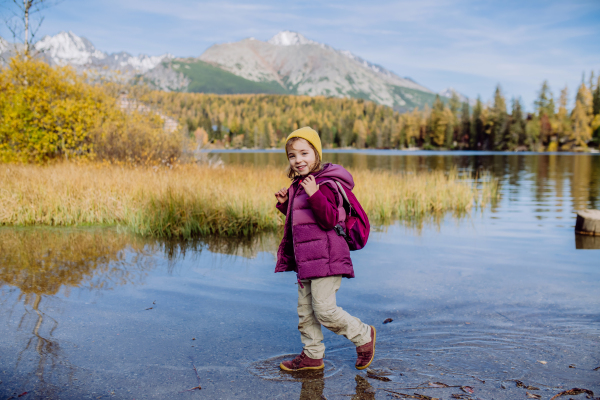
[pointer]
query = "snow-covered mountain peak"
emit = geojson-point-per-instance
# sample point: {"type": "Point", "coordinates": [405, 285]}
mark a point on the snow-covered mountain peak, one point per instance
{"type": "Point", "coordinates": [68, 48]}
{"type": "Point", "coordinates": [289, 38]}
{"type": "Point", "coordinates": [3, 45]}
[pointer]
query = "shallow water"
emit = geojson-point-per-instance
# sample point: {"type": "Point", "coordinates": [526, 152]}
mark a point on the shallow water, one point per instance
{"type": "Point", "coordinates": [499, 297]}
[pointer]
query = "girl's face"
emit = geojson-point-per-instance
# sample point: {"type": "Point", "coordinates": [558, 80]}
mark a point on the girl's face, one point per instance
{"type": "Point", "coordinates": [301, 157]}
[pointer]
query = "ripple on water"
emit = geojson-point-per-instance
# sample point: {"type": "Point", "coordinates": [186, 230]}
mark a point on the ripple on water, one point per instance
{"type": "Point", "coordinates": [269, 369]}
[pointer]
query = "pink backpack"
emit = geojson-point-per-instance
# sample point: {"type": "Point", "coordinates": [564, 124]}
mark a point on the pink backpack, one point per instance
{"type": "Point", "coordinates": [357, 227]}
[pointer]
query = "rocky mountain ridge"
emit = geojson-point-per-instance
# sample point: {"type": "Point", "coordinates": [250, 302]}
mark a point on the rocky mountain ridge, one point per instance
{"type": "Point", "coordinates": [66, 48]}
{"type": "Point", "coordinates": [287, 63]}
{"type": "Point", "coordinates": [303, 66]}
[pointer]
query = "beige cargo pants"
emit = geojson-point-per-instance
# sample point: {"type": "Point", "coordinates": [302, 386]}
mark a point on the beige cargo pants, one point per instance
{"type": "Point", "coordinates": [316, 307]}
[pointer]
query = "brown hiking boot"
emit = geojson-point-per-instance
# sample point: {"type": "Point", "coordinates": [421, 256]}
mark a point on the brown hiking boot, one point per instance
{"type": "Point", "coordinates": [302, 362]}
{"type": "Point", "coordinates": [366, 352]}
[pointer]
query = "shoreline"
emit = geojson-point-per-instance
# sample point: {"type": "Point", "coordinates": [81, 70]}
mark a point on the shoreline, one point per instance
{"type": "Point", "coordinates": [417, 152]}
{"type": "Point", "coordinates": [189, 201]}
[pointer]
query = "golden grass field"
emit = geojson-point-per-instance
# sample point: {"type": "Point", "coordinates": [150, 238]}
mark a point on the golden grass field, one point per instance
{"type": "Point", "coordinates": [194, 200]}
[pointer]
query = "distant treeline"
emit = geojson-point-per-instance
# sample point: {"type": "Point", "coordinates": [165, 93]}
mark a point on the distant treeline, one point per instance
{"type": "Point", "coordinates": [259, 121]}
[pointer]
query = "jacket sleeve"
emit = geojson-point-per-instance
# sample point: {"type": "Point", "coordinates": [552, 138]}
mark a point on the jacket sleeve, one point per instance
{"type": "Point", "coordinates": [283, 206]}
{"type": "Point", "coordinates": [324, 206]}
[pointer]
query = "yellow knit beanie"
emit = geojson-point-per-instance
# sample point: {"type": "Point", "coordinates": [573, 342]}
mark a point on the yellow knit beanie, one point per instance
{"type": "Point", "coordinates": [309, 135]}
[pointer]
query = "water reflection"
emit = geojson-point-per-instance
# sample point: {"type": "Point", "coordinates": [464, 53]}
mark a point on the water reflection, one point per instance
{"type": "Point", "coordinates": [587, 242]}
{"type": "Point", "coordinates": [41, 265]}
{"type": "Point", "coordinates": [42, 261]}
{"type": "Point", "coordinates": [312, 389]}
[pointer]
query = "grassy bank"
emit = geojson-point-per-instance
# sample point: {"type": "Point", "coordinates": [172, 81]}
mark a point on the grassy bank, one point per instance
{"type": "Point", "coordinates": [190, 200]}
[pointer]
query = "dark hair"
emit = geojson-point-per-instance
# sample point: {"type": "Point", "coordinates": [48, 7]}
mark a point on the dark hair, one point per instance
{"type": "Point", "coordinates": [317, 166]}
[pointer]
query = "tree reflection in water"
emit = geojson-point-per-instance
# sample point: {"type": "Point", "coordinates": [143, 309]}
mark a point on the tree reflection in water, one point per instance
{"type": "Point", "coordinates": [44, 262]}
{"type": "Point", "coordinates": [41, 263]}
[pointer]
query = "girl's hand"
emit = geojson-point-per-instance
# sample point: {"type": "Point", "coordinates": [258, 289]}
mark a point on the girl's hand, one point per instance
{"type": "Point", "coordinates": [310, 185]}
{"type": "Point", "coordinates": [282, 195]}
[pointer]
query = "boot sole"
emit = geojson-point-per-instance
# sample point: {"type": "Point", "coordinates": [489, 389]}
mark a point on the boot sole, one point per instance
{"type": "Point", "coordinates": [283, 367]}
{"type": "Point", "coordinates": [374, 342]}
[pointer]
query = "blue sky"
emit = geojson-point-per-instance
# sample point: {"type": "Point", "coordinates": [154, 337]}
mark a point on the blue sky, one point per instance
{"type": "Point", "coordinates": [469, 45]}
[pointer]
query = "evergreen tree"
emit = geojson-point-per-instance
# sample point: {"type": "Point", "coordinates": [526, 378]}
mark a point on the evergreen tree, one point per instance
{"type": "Point", "coordinates": [596, 99]}
{"type": "Point", "coordinates": [596, 114]}
{"type": "Point", "coordinates": [448, 120]}
{"type": "Point", "coordinates": [477, 126]}
{"type": "Point", "coordinates": [563, 128]}
{"type": "Point", "coordinates": [437, 122]}
{"type": "Point", "coordinates": [515, 135]}
{"type": "Point", "coordinates": [545, 113]}
{"type": "Point", "coordinates": [424, 128]}
{"type": "Point", "coordinates": [545, 101]}
{"type": "Point", "coordinates": [532, 132]}
{"type": "Point", "coordinates": [465, 125]}
{"type": "Point", "coordinates": [498, 120]}
{"type": "Point", "coordinates": [454, 103]}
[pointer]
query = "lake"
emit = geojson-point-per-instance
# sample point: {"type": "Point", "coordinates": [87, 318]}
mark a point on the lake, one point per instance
{"type": "Point", "coordinates": [502, 302]}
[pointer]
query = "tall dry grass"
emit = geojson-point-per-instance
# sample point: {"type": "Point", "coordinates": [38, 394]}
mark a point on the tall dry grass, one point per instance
{"type": "Point", "coordinates": [190, 200]}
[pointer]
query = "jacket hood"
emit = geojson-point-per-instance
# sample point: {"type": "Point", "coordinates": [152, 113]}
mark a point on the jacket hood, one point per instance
{"type": "Point", "coordinates": [338, 172]}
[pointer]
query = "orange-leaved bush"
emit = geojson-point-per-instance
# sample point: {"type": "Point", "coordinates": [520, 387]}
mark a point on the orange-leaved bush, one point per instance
{"type": "Point", "coordinates": [49, 113]}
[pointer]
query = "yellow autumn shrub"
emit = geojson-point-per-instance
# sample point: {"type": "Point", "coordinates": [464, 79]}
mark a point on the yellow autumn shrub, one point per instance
{"type": "Point", "coordinates": [51, 113]}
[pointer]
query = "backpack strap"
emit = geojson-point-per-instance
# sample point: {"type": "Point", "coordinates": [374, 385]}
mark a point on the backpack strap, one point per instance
{"type": "Point", "coordinates": [345, 196]}
{"type": "Point", "coordinates": [342, 214]}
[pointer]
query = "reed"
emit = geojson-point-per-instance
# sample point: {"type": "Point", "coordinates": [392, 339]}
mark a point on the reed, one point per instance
{"type": "Point", "coordinates": [195, 200]}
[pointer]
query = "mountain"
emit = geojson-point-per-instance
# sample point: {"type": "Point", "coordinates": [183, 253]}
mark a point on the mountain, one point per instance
{"type": "Point", "coordinates": [449, 92]}
{"type": "Point", "coordinates": [66, 48]}
{"type": "Point", "coordinates": [288, 63]}
{"type": "Point", "coordinates": [303, 66]}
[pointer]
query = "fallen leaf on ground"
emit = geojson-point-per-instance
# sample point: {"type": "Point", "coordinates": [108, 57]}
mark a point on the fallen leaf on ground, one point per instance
{"type": "Point", "coordinates": [529, 387]}
{"type": "Point", "coordinates": [416, 396]}
{"type": "Point", "coordinates": [380, 378]}
{"type": "Point", "coordinates": [438, 385]}
{"type": "Point", "coordinates": [423, 397]}
{"type": "Point", "coordinates": [387, 321]}
{"type": "Point", "coordinates": [533, 395]}
{"type": "Point", "coordinates": [467, 389]}
{"type": "Point", "coordinates": [543, 362]}
{"type": "Point", "coordinates": [574, 392]}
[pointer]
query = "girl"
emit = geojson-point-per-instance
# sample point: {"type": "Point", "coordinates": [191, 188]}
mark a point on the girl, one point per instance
{"type": "Point", "coordinates": [316, 252]}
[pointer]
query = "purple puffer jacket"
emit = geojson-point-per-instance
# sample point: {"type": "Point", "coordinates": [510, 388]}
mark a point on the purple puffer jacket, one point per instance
{"type": "Point", "coordinates": [306, 248]}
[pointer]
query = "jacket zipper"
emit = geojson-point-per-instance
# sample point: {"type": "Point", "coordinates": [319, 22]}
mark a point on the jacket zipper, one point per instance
{"type": "Point", "coordinates": [292, 228]}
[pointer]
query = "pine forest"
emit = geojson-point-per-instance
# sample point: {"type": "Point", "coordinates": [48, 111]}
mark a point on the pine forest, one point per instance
{"type": "Point", "coordinates": [263, 121]}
